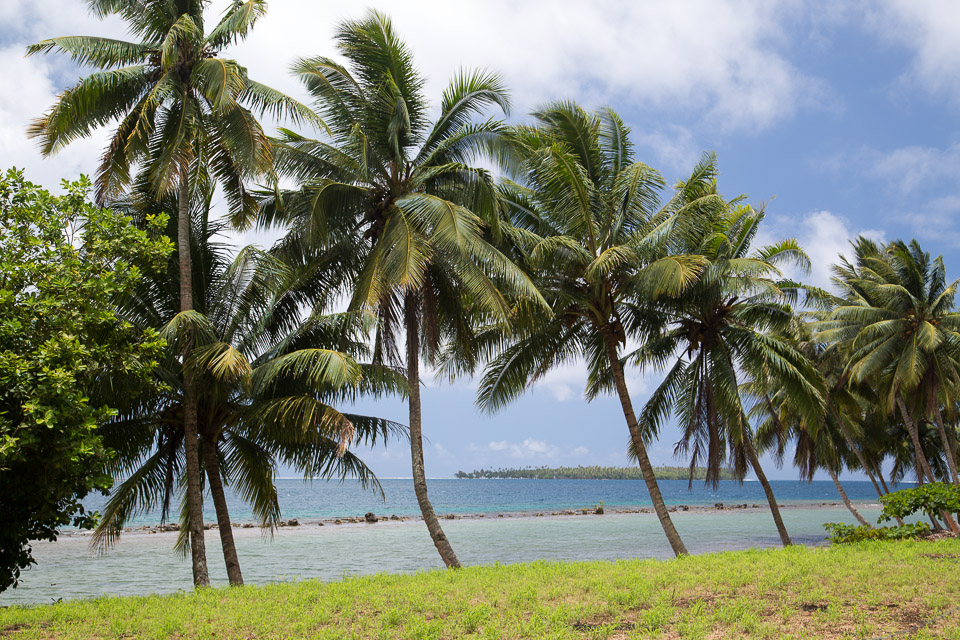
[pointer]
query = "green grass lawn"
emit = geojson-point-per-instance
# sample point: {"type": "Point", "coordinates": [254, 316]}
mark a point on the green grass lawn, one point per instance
{"type": "Point", "coordinates": [858, 591]}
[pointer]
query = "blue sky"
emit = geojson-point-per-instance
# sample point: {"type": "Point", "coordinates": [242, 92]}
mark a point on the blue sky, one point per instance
{"type": "Point", "coordinates": [840, 115]}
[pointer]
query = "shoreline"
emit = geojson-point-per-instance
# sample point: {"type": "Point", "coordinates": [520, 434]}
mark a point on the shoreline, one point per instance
{"type": "Point", "coordinates": [242, 527]}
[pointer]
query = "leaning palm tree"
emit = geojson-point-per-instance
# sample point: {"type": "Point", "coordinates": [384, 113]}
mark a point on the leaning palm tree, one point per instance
{"type": "Point", "coordinates": [267, 384]}
{"type": "Point", "coordinates": [587, 221]}
{"type": "Point", "coordinates": [723, 325]}
{"type": "Point", "coordinates": [180, 106]}
{"type": "Point", "coordinates": [901, 331]}
{"type": "Point", "coordinates": [398, 189]}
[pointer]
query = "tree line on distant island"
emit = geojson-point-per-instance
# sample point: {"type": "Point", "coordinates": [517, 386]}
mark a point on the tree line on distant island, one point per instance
{"type": "Point", "coordinates": [591, 472]}
{"type": "Point", "coordinates": [185, 367]}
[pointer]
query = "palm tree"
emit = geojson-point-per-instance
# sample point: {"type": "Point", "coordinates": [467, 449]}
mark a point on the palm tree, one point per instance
{"type": "Point", "coordinates": [902, 332]}
{"type": "Point", "coordinates": [723, 324]}
{"type": "Point", "coordinates": [398, 190]}
{"type": "Point", "coordinates": [266, 383]}
{"type": "Point", "coordinates": [817, 446]}
{"type": "Point", "coordinates": [180, 106]}
{"type": "Point", "coordinates": [587, 221]}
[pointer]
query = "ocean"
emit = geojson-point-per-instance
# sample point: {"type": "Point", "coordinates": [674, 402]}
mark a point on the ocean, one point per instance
{"type": "Point", "coordinates": [144, 563]}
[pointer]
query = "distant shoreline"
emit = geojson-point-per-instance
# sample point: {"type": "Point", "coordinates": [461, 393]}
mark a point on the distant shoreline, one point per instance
{"type": "Point", "coordinates": [348, 522]}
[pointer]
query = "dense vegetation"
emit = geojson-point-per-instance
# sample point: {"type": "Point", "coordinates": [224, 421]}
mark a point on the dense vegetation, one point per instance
{"type": "Point", "coordinates": [572, 251]}
{"type": "Point", "coordinates": [62, 343]}
{"type": "Point", "coordinates": [591, 472]}
{"type": "Point", "coordinates": [867, 590]}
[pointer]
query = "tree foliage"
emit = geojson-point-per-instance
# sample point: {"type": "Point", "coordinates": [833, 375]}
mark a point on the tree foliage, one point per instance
{"type": "Point", "coordinates": [62, 264]}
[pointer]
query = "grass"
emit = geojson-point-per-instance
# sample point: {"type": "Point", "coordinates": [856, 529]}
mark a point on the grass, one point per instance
{"type": "Point", "coordinates": [864, 591]}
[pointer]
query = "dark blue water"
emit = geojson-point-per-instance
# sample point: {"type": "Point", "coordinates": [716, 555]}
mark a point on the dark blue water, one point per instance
{"type": "Point", "coordinates": [331, 499]}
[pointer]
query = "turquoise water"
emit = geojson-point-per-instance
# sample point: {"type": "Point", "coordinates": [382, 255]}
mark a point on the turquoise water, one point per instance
{"type": "Point", "coordinates": [145, 563]}
{"type": "Point", "coordinates": [331, 499]}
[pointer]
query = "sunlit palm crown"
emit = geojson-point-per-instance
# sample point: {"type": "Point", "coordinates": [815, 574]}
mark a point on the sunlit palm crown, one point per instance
{"type": "Point", "coordinates": [397, 188]}
{"type": "Point", "coordinates": [178, 102]}
{"type": "Point", "coordinates": [896, 322]}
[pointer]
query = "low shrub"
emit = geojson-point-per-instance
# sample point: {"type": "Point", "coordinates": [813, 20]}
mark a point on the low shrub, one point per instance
{"type": "Point", "coordinates": [930, 499]}
{"type": "Point", "coordinates": [840, 533]}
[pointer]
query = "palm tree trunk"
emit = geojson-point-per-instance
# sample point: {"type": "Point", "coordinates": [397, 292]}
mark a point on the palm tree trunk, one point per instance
{"type": "Point", "coordinates": [223, 514]}
{"type": "Point", "coordinates": [915, 438]}
{"type": "Point", "coordinates": [848, 437]}
{"type": "Point", "coordinates": [412, 320]}
{"type": "Point", "coordinates": [948, 452]}
{"type": "Point", "coordinates": [845, 498]}
{"type": "Point", "coordinates": [883, 483]}
{"type": "Point", "coordinates": [649, 476]}
{"type": "Point", "coordinates": [922, 459]}
{"type": "Point", "coordinates": [767, 489]}
{"type": "Point", "coordinates": [198, 551]}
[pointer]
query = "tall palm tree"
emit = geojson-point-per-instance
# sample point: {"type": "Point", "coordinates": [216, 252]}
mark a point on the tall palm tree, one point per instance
{"type": "Point", "coordinates": [722, 325]}
{"type": "Point", "coordinates": [586, 219]}
{"type": "Point", "coordinates": [180, 106]}
{"type": "Point", "coordinates": [267, 384]}
{"type": "Point", "coordinates": [902, 333]}
{"type": "Point", "coordinates": [400, 191]}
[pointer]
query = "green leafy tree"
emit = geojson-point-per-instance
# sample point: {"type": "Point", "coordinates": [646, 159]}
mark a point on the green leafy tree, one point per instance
{"type": "Point", "coordinates": [719, 329]}
{"type": "Point", "coordinates": [180, 107]}
{"type": "Point", "coordinates": [394, 191]}
{"type": "Point", "coordinates": [587, 221]}
{"type": "Point", "coordinates": [63, 262]}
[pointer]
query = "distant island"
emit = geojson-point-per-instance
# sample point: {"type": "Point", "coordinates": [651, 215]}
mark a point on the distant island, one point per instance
{"type": "Point", "coordinates": [592, 472]}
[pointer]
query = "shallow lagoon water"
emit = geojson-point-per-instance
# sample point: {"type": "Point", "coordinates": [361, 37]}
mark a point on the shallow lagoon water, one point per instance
{"type": "Point", "coordinates": [146, 563]}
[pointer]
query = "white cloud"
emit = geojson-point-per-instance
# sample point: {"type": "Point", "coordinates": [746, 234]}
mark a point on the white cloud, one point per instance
{"type": "Point", "coordinates": [674, 147]}
{"type": "Point", "coordinates": [531, 448]}
{"type": "Point", "coordinates": [930, 29]}
{"type": "Point", "coordinates": [912, 168]}
{"type": "Point", "coordinates": [822, 234]}
{"type": "Point", "coordinates": [580, 451]}
{"type": "Point", "coordinates": [721, 61]}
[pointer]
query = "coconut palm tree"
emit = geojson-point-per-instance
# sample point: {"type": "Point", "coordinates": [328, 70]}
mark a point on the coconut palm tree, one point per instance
{"type": "Point", "coordinates": [179, 106]}
{"type": "Point", "coordinates": [902, 332]}
{"type": "Point", "coordinates": [587, 221]}
{"type": "Point", "coordinates": [723, 325]}
{"type": "Point", "coordinates": [398, 189]}
{"type": "Point", "coordinates": [266, 382]}
{"type": "Point", "coordinates": [819, 445]}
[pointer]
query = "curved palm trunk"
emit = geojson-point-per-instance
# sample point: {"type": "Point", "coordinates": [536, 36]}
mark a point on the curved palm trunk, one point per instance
{"type": "Point", "coordinates": [646, 469]}
{"type": "Point", "coordinates": [883, 482]}
{"type": "Point", "coordinates": [922, 458]}
{"type": "Point", "coordinates": [230, 557]}
{"type": "Point", "coordinates": [948, 452]}
{"type": "Point", "coordinates": [848, 437]}
{"type": "Point", "coordinates": [412, 320]}
{"type": "Point", "coordinates": [198, 551]}
{"type": "Point", "coordinates": [768, 490]}
{"type": "Point", "coordinates": [924, 469]}
{"type": "Point", "coordinates": [845, 498]}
